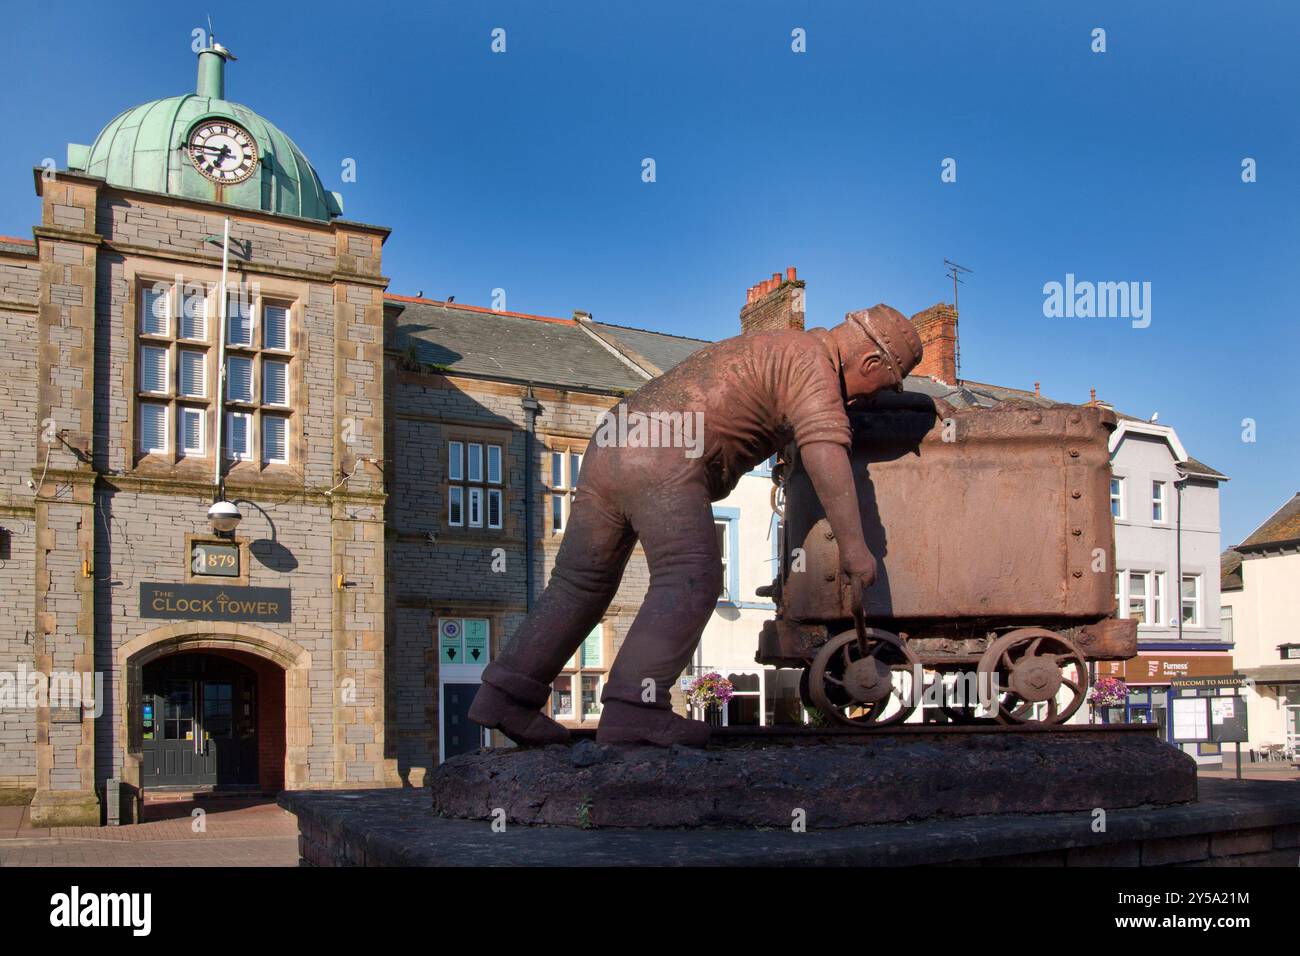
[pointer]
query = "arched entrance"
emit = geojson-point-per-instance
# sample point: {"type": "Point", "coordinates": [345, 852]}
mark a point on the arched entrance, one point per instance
{"type": "Point", "coordinates": [204, 722]}
{"type": "Point", "coordinates": [226, 707]}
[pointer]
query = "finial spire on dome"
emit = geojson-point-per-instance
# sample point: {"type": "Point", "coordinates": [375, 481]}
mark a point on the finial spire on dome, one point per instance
{"type": "Point", "coordinates": [212, 68]}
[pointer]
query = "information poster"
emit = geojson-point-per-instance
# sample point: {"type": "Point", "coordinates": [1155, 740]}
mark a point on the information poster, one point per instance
{"type": "Point", "coordinates": [1191, 721]}
{"type": "Point", "coordinates": [1221, 708]}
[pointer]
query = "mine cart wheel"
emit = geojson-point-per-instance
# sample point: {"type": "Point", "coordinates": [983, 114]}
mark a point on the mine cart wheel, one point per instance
{"type": "Point", "coordinates": [805, 697]}
{"type": "Point", "coordinates": [852, 682]}
{"type": "Point", "coordinates": [1033, 665]}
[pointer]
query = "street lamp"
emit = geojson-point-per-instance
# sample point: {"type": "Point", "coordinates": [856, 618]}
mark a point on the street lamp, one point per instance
{"type": "Point", "coordinates": [225, 517]}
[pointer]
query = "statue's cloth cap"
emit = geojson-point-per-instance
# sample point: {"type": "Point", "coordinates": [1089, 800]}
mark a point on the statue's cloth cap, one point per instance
{"type": "Point", "coordinates": [893, 334]}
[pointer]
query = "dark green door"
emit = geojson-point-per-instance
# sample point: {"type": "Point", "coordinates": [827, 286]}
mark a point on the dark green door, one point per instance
{"type": "Point", "coordinates": [199, 723]}
{"type": "Point", "coordinates": [460, 735]}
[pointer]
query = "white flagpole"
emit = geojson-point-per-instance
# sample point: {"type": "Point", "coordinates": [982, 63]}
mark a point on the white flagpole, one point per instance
{"type": "Point", "coordinates": [221, 361]}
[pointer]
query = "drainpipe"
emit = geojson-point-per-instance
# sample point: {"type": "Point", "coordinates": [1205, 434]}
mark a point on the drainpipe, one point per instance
{"type": "Point", "coordinates": [1178, 539]}
{"type": "Point", "coordinates": [531, 407]}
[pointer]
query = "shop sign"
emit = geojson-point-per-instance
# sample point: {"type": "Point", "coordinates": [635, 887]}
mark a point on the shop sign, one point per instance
{"type": "Point", "coordinates": [213, 602]}
{"type": "Point", "coordinates": [1165, 668]}
{"type": "Point", "coordinates": [1218, 680]}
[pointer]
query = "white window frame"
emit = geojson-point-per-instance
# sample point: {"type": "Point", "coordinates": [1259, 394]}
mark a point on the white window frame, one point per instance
{"type": "Point", "coordinates": [180, 373]}
{"type": "Point", "coordinates": [147, 288]}
{"type": "Point", "coordinates": [232, 299]}
{"type": "Point", "coordinates": [1196, 599]}
{"type": "Point", "coordinates": [288, 328]}
{"type": "Point", "coordinates": [266, 458]}
{"type": "Point", "coordinates": [191, 352]}
{"type": "Point", "coordinates": [1160, 499]}
{"type": "Point", "coordinates": [467, 481]}
{"type": "Point", "coordinates": [1155, 597]}
{"type": "Point", "coordinates": [231, 453]}
{"type": "Point", "coordinates": [252, 379]}
{"type": "Point", "coordinates": [165, 431]}
{"type": "Point", "coordinates": [185, 298]}
{"type": "Point", "coordinates": [275, 363]}
{"type": "Point", "coordinates": [183, 412]}
{"type": "Point", "coordinates": [564, 488]}
{"type": "Point", "coordinates": [165, 352]}
{"type": "Point", "coordinates": [576, 669]}
{"type": "Point", "coordinates": [725, 525]}
{"type": "Point", "coordinates": [1118, 485]}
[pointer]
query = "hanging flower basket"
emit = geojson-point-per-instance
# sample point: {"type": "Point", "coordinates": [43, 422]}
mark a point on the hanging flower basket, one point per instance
{"type": "Point", "coordinates": [709, 689]}
{"type": "Point", "coordinates": [1108, 692]}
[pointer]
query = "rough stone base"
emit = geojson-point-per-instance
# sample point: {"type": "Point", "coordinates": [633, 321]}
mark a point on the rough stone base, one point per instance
{"type": "Point", "coordinates": [1233, 823]}
{"type": "Point", "coordinates": [65, 808]}
{"type": "Point", "coordinates": [824, 780]}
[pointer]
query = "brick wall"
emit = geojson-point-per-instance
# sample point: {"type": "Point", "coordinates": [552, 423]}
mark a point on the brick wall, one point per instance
{"type": "Point", "coordinates": [774, 304]}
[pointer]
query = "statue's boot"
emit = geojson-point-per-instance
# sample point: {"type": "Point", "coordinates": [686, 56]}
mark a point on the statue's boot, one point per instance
{"type": "Point", "coordinates": [624, 723]}
{"type": "Point", "coordinates": [509, 702]}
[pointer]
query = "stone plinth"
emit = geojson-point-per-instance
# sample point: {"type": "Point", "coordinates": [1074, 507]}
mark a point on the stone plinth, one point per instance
{"type": "Point", "coordinates": [827, 779]}
{"type": "Point", "coordinates": [1252, 822]}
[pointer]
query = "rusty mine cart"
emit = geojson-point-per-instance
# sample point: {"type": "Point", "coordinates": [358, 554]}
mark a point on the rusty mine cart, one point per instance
{"type": "Point", "coordinates": [996, 547]}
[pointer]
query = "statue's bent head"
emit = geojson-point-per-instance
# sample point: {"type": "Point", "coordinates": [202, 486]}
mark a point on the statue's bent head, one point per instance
{"type": "Point", "coordinates": [879, 347]}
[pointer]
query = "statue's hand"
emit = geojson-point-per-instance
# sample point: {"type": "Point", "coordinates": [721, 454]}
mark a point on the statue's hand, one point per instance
{"type": "Point", "coordinates": [859, 567]}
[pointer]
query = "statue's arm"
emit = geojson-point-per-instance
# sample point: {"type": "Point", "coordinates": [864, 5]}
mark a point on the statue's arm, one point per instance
{"type": "Point", "coordinates": [827, 464]}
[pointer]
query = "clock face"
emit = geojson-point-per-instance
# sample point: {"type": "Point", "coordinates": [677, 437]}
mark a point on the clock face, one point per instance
{"type": "Point", "coordinates": [222, 151]}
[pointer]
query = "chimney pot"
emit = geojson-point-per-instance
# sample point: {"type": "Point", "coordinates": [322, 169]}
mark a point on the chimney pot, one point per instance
{"type": "Point", "coordinates": [1037, 393]}
{"type": "Point", "coordinates": [769, 307]}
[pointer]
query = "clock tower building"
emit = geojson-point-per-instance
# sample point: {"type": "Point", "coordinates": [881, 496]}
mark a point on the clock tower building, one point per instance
{"type": "Point", "coordinates": [195, 323]}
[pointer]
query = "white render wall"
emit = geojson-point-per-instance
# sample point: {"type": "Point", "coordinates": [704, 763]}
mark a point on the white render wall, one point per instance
{"type": "Point", "coordinates": [1144, 545]}
{"type": "Point", "coordinates": [730, 639]}
{"type": "Point", "coordinates": [1266, 614]}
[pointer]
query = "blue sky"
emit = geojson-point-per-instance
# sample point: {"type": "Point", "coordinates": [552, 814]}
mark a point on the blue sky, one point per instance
{"type": "Point", "coordinates": [522, 170]}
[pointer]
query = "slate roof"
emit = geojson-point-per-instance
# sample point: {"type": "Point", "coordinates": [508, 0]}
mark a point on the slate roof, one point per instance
{"type": "Point", "coordinates": [543, 350]}
{"type": "Point", "coordinates": [1230, 570]}
{"type": "Point", "coordinates": [663, 351]}
{"type": "Point", "coordinates": [515, 346]}
{"type": "Point", "coordinates": [1282, 527]}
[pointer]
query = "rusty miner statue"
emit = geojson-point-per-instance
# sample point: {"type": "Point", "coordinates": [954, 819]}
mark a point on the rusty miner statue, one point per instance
{"type": "Point", "coordinates": [733, 404]}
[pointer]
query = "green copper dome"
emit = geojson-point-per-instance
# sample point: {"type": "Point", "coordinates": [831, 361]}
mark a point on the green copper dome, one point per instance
{"type": "Point", "coordinates": [145, 148]}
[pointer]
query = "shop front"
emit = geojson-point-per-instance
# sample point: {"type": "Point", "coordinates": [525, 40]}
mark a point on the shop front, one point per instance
{"type": "Point", "coordinates": [1149, 677]}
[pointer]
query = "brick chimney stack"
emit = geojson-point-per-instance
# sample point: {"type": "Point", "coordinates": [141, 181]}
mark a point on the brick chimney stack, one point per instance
{"type": "Point", "coordinates": [775, 303]}
{"type": "Point", "coordinates": [937, 327]}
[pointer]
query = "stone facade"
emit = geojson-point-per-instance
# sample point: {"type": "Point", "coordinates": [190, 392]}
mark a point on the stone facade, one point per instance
{"type": "Point", "coordinates": [459, 572]}
{"type": "Point", "coordinates": [101, 517]}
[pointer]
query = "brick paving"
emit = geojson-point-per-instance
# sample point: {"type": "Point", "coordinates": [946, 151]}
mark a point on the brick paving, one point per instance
{"type": "Point", "coordinates": [237, 833]}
